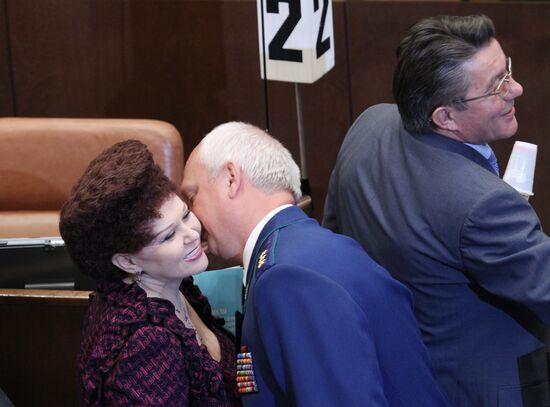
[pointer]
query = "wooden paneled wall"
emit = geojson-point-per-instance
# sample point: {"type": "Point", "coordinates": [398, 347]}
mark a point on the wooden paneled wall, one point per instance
{"type": "Point", "coordinates": [6, 96]}
{"type": "Point", "coordinates": [195, 64]}
{"type": "Point", "coordinates": [41, 333]}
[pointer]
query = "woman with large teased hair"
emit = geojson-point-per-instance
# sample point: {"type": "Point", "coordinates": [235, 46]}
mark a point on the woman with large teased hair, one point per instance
{"type": "Point", "coordinates": [149, 335]}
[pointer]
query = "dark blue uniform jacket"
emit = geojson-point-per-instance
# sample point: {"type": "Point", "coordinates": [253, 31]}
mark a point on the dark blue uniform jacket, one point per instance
{"type": "Point", "coordinates": [327, 326]}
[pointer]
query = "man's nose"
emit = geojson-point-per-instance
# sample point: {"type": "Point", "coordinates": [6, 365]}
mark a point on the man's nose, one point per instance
{"type": "Point", "coordinates": [516, 89]}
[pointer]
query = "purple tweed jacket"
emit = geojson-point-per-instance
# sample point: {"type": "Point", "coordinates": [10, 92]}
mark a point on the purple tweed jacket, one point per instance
{"type": "Point", "coordinates": [135, 351]}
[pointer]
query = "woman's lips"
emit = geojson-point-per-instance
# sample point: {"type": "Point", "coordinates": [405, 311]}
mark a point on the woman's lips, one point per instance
{"type": "Point", "coordinates": [194, 254]}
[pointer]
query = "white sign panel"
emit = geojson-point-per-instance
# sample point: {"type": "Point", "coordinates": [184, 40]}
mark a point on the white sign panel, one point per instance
{"type": "Point", "coordinates": [299, 39]}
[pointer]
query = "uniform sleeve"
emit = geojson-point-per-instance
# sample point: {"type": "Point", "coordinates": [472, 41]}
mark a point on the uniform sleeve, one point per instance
{"type": "Point", "coordinates": [149, 371]}
{"type": "Point", "coordinates": [506, 252]}
{"type": "Point", "coordinates": [310, 326]}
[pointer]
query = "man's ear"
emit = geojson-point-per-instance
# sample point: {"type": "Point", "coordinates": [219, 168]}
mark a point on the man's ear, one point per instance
{"type": "Point", "coordinates": [126, 263]}
{"type": "Point", "coordinates": [234, 178]}
{"type": "Point", "coordinates": [444, 118]}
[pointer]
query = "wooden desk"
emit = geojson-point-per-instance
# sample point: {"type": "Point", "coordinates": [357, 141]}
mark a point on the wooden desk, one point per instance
{"type": "Point", "coordinates": [39, 340]}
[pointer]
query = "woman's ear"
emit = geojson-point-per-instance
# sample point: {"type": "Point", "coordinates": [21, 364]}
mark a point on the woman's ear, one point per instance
{"type": "Point", "coordinates": [126, 263]}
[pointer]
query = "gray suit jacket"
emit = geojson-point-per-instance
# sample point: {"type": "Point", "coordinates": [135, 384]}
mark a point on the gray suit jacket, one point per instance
{"type": "Point", "coordinates": [431, 211]}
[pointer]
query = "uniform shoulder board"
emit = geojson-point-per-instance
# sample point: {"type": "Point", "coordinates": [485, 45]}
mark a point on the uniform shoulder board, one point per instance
{"type": "Point", "coordinates": [266, 257]}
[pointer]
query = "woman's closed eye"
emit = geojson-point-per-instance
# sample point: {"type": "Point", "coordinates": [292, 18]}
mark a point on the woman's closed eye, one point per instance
{"type": "Point", "coordinates": [186, 215]}
{"type": "Point", "coordinates": [169, 236]}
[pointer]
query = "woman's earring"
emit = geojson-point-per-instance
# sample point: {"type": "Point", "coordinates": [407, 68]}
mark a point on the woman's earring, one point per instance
{"type": "Point", "coordinates": [138, 276]}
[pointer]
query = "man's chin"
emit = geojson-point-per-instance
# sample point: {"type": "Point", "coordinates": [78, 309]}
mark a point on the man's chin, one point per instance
{"type": "Point", "coordinates": [233, 259]}
{"type": "Point", "coordinates": [508, 132]}
{"type": "Point", "coordinates": [513, 128]}
{"type": "Point", "coordinates": [216, 261]}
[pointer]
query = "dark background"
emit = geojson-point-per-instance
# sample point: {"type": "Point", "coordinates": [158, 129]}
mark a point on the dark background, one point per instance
{"type": "Point", "coordinates": [195, 64]}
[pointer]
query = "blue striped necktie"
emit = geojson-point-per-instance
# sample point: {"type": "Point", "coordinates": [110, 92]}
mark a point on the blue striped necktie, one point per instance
{"type": "Point", "coordinates": [494, 163]}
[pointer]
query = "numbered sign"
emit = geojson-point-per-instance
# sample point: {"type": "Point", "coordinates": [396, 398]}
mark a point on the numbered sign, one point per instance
{"type": "Point", "coordinates": [298, 39]}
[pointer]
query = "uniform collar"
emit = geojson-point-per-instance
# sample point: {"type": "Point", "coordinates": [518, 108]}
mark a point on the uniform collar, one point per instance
{"type": "Point", "coordinates": [253, 238]}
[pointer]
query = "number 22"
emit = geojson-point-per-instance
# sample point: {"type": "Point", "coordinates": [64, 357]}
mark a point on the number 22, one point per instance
{"type": "Point", "coordinates": [276, 46]}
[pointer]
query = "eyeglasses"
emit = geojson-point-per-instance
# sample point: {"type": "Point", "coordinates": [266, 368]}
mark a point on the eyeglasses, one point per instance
{"type": "Point", "coordinates": [502, 89]}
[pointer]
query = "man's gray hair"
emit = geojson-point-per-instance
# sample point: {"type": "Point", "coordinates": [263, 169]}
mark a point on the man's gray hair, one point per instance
{"type": "Point", "coordinates": [264, 160]}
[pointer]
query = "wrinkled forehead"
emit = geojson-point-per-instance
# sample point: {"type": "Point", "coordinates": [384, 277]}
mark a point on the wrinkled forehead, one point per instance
{"type": "Point", "coordinates": [190, 172]}
{"type": "Point", "coordinates": [195, 174]}
{"type": "Point", "coordinates": [488, 63]}
{"type": "Point", "coordinates": [192, 161]}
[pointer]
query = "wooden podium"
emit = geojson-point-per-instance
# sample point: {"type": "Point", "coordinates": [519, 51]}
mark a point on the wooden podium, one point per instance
{"type": "Point", "coordinates": [39, 342]}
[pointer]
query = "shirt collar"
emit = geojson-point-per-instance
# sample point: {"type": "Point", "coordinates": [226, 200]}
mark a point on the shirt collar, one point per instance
{"type": "Point", "coordinates": [251, 241]}
{"type": "Point", "coordinates": [483, 149]}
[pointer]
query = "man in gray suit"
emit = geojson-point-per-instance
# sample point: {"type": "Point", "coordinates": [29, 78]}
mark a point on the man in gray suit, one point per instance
{"type": "Point", "coordinates": [414, 184]}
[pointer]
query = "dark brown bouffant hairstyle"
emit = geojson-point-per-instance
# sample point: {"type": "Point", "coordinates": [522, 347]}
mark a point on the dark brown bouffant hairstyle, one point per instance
{"type": "Point", "coordinates": [111, 208]}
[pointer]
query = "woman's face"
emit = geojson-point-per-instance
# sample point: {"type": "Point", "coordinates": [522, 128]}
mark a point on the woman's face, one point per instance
{"type": "Point", "coordinates": [176, 251]}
